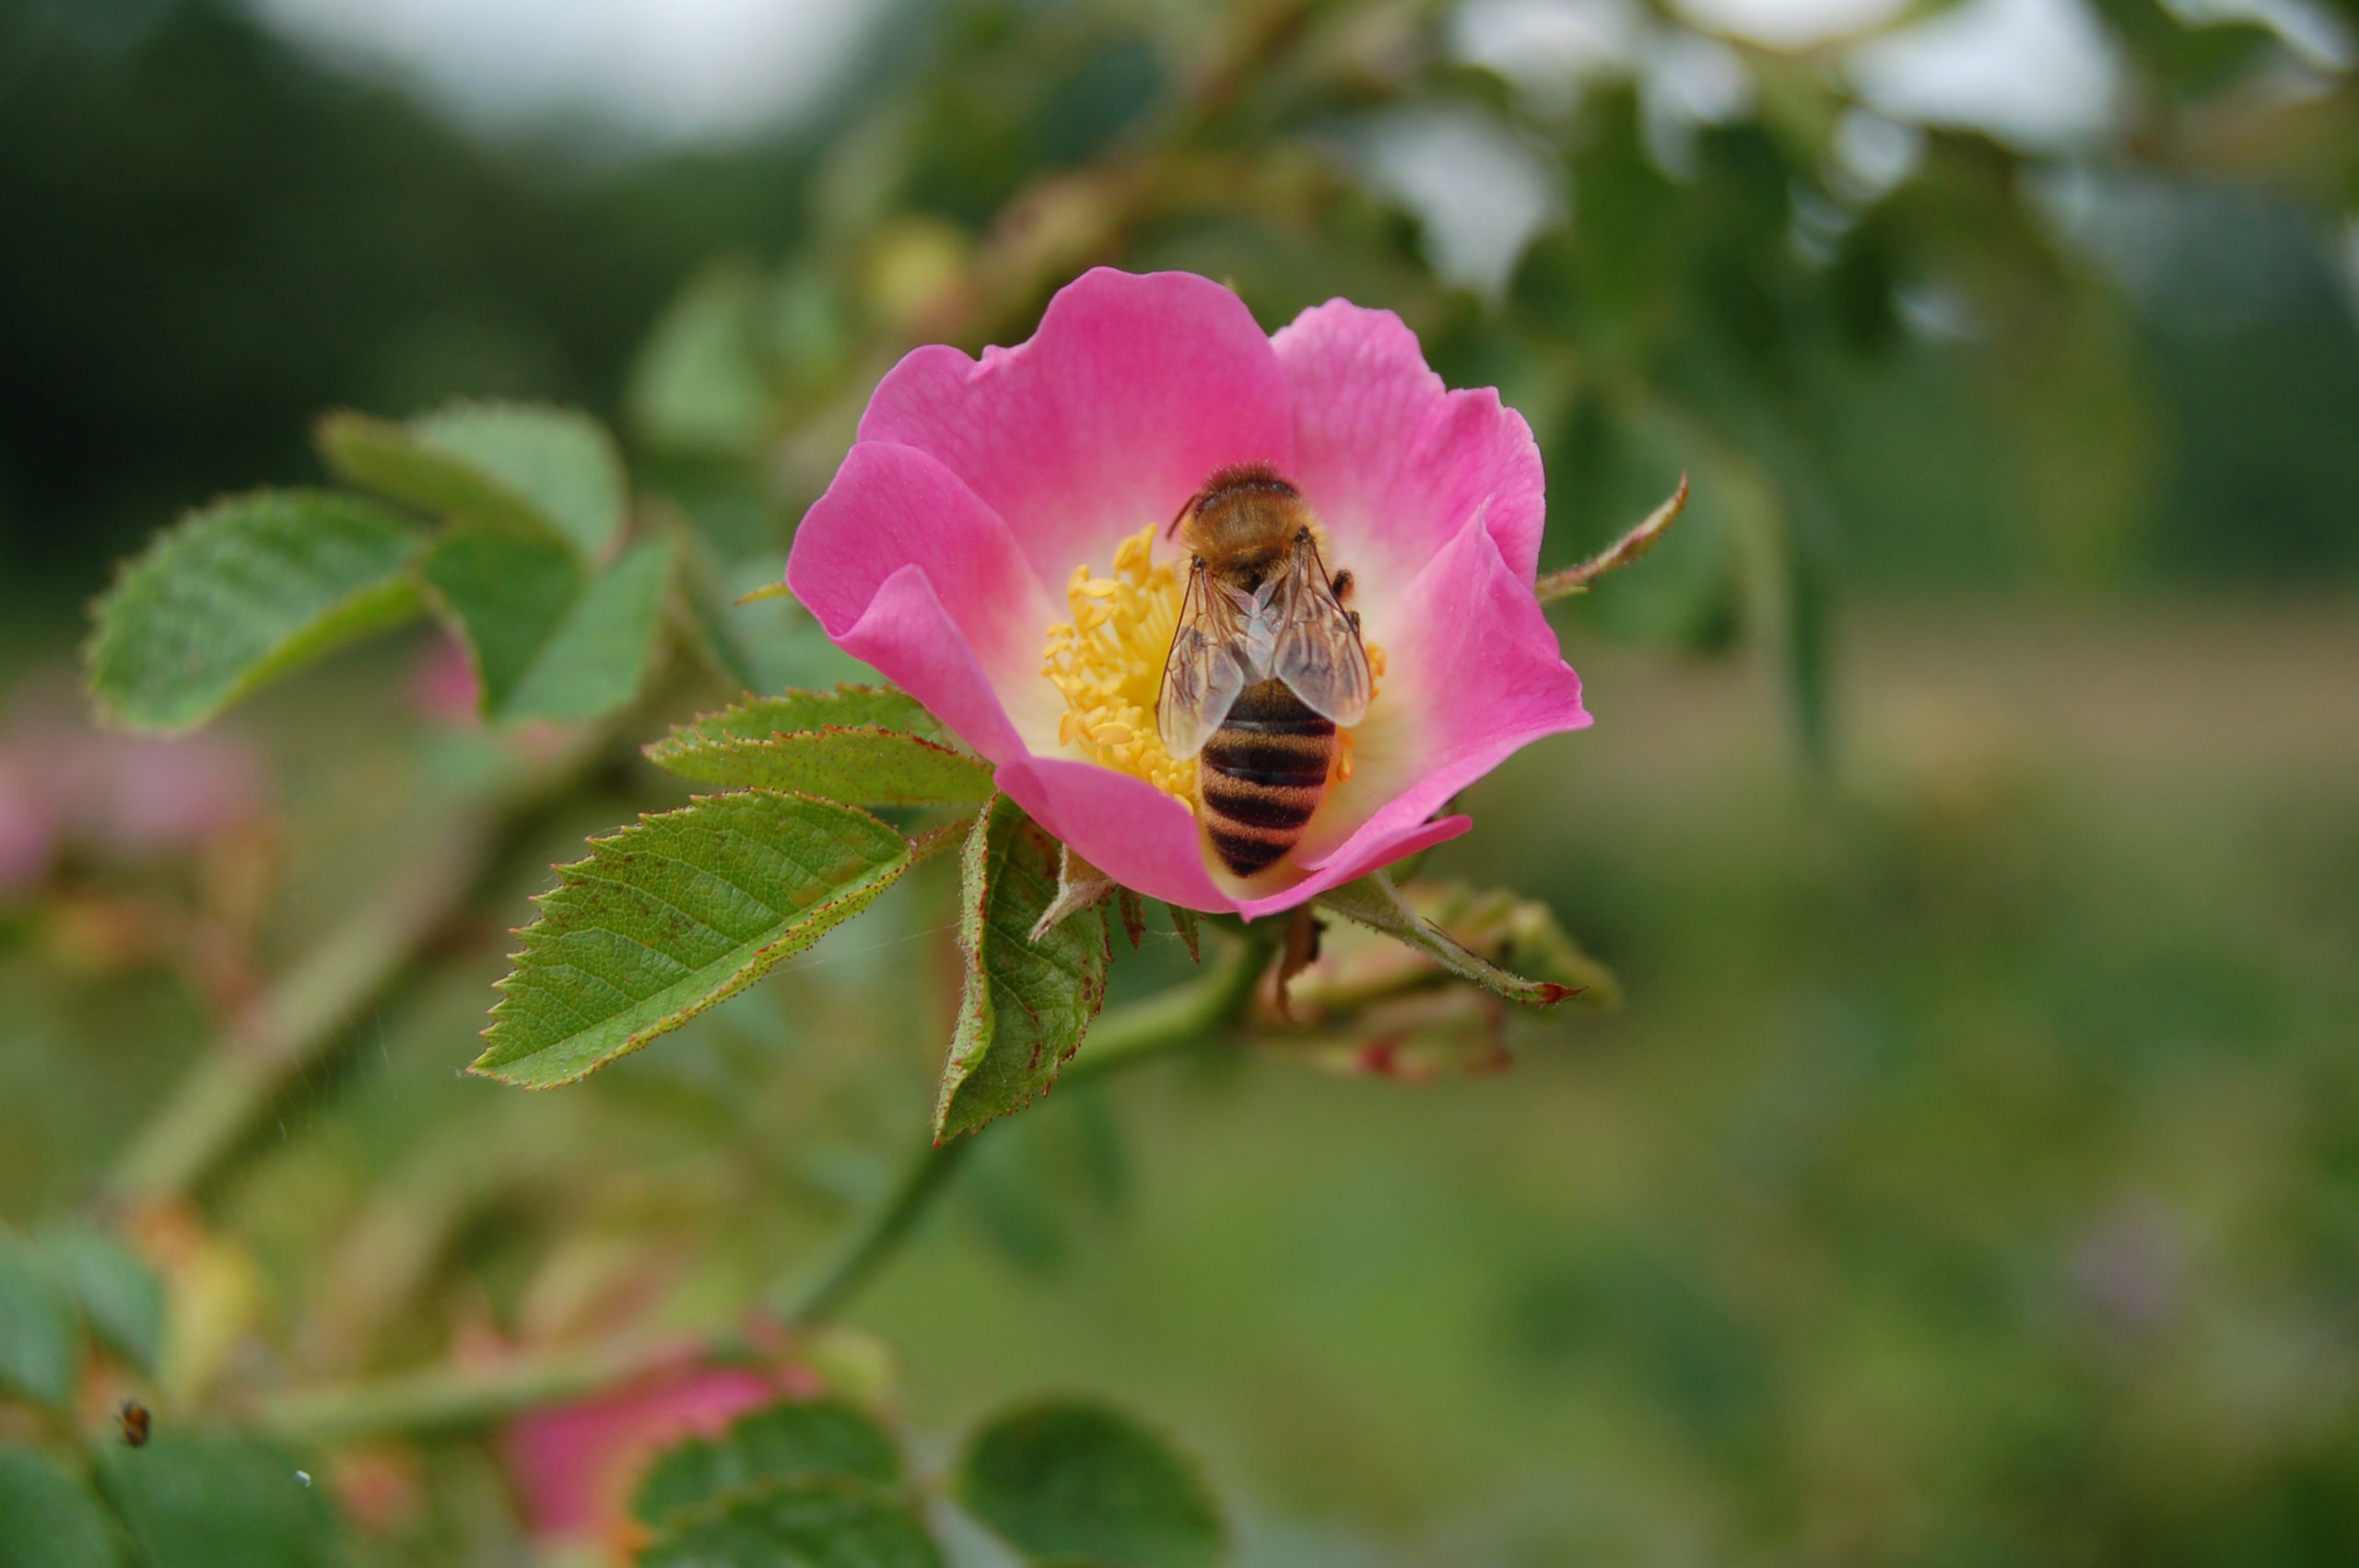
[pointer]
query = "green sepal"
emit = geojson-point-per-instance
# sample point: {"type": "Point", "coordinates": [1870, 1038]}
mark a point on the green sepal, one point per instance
{"type": "Point", "coordinates": [1374, 902]}
{"type": "Point", "coordinates": [1026, 1003]}
{"type": "Point", "coordinates": [248, 588]}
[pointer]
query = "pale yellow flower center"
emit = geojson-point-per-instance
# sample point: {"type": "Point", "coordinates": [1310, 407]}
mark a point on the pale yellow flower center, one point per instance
{"type": "Point", "coordinates": [1107, 660]}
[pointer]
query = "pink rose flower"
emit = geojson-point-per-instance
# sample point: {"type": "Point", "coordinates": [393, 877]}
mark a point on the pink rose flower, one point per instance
{"type": "Point", "coordinates": [995, 544]}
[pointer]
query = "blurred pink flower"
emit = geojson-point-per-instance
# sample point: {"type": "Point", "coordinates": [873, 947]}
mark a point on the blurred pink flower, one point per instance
{"type": "Point", "coordinates": [64, 784]}
{"type": "Point", "coordinates": [574, 1465]}
{"type": "Point", "coordinates": [28, 832]}
{"type": "Point", "coordinates": [982, 497]}
{"type": "Point", "coordinates": [443, 685]}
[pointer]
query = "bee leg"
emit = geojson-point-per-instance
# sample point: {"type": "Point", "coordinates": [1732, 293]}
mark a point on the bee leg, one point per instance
{"type": "Point", "coordinates": [1342, 585]}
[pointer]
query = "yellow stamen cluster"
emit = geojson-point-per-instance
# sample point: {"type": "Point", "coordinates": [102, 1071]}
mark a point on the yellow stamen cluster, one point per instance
{"type": "Point", "coordinates": [1109, 662]}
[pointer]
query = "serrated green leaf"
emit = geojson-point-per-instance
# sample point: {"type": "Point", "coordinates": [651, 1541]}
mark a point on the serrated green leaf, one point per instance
{"type": "Point", "coordinates": [833, 1523]}
{"type": "Point", "coordinates": [797, 1441]}
{"type": "Point", "coordinates": [549, 640]}
{"type": "Point", "coordinates": [208, 1500]}
{"type": "Point", "coordinates": [1026, 1003]}
{"type": "Point", "coordinates": [868, 765]}
{"type": "Point", "coordinates": [41, 1333]}
{"type": "Point", "coordinates": [1067, 1478]}
{"type": "Point", "coordinates": [120, 1296]}
{"type": "Point", "coordinates": [245, 590]}
{"type": "Point", "coordinates": [669, 917]}
{"type": "Point", "coordinates": [48, 1519]}
{"type": "Point", "coordinates": [510, 465]}
{"type": "Point", "coordinates": [799, 712]}
{"type": "Point", "coordinates": [1374, 902]}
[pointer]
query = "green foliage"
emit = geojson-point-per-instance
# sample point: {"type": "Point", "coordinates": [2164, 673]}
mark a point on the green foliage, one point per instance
{"type": "Point", "coordinates": [48, 1519]}
{"type": "Point", "coordinates": [797, 1441]}
{"type": "Point", "coordinates": [666, 918]}
{"type": "Point", "coordinates": [549, 639]}
{"type": "Point", "coordinates": [209, 1500]}
{"type": "Point", "coordinates": [537, 470]}
{"type": "Point", "coordinates": [867, 763]}
{"type": "Point", "coordinates": [1375, 903]}
{"type": "Point", "coordinates": [1026, 1003]}
{"type": "Point", "coordinates": [240, 592]}
{"type": "Point", "coordinates": [41, 1334]}
{"type": "Point", "coordinates": [120, 1296]}
{"type": "Point", "coordinates": [824, 1524]}
{"type": "Point", "coordinates": [1067, 1480]}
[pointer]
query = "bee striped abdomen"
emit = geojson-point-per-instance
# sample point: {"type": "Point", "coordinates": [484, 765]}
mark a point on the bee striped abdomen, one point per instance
{"type": "Point", "coordinates": [1263, 774]}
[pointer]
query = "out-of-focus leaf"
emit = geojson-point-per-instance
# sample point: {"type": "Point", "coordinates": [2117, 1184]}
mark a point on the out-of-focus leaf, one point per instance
{"type": "Point", "coordinates": [510, 465]}
{"type": "Point", "coordinates": [120, 1295]}
{"type": "Point", "coordinates": [832, 1524]}
{"type": "Point", "coordinates": [1374, 902]}
{"type": "Point", "coordinates": [597, 658]}
{"type": "Point", "coordinates": [700, 382]}
{"type": "Point", "coordinates": [243, 591]}
{"type": "Point", "coordinates": [41, 1334]}
{"type": "Point", "coordinates": [844, 745]}
{"type": "Point", "coordinates": [208, 1500]}
{"type": "Point", "coordinates": [1026, 1003]}
{"type": "Point", "coordinates": [1065, 1478]}
{"type": "Point", "coordinates": [48, 1519]}
{"type": "Point", "coordinates": [799, 1441]}
{"type": "Point", "coordinates": [548, 642]}
{"type": "Point", "coordinates": [667, 918]}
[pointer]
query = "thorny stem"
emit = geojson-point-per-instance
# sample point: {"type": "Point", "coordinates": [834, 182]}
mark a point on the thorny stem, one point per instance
{"type": "Point", "coordinates": [1623, 552]}
{"type": "Point", "coordinates": [447, 1398]}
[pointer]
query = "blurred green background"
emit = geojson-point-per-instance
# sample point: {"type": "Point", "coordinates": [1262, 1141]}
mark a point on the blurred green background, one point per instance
{"type": "Point", "coordinates": [1971, 1175]}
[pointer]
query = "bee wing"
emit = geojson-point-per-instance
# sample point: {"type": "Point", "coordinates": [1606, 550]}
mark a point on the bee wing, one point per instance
{"type": "Point", "coordinates": [1315, 648]}
{"type": "Point", "coordinates": [1205, 670]}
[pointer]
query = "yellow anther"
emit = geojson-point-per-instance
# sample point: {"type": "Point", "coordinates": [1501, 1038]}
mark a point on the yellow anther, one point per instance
{"type": "Point", "coordinates": [1107, 661]}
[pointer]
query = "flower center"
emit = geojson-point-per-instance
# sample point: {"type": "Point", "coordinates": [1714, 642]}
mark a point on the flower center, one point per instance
{"type": "Point", "coordinates": [1107, 660]}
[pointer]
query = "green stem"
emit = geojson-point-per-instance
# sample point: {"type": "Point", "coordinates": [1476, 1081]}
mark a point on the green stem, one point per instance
{"type": "Point", "coordinates": [1120, 1040]}
{"type": "Point", "coordinates": [449, 1398]}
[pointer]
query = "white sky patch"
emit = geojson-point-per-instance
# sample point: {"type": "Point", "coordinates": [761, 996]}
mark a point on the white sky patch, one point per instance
{"type": "Point", "coordinates": [1790, 24]}
{"type": "Point", "coordinates": [673, 70]}
{"type": "Point", "coordinates": [1480, 191]}
{"type": "Point", "coordinates": [2037, 73]}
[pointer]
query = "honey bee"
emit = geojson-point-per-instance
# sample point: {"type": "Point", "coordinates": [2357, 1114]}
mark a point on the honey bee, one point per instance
{"type": "Point", "coordinates": [1265, 664]}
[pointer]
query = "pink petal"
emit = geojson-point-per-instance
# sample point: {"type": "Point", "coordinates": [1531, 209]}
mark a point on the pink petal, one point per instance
{"type": "Point", "coordinates": [1132, 392]}
{"type": "Point", "coordinates": [1125, 826]}
{"type": "Point", "coordinates": [1393, 463]}
{"type": "Point", "coordinates": [575, 1465]}
{"type": "Point", "coordinates": [907, 570]}
{"type": "Point", "coordinates": [1473, 675]}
